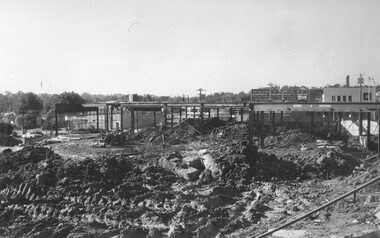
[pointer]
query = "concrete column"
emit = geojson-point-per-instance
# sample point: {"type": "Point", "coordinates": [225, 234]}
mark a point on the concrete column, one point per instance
{"type": "Point", "coordinates": [154, 118]}
{"type": "Point", "coordinates": [137, 120]}
{"type": "Point", "coordinates": [262, 134]}
{"type": "Point", "coordinates": [251, 117]}
{"type": "Point", "coordinates": [270, 122]}
{"type": "Point", "coordinates": [132, 121]}
{"type": "Point", "coordinates": [165, 116]}
{"type": "Point", "coordinates": [202, 121]}
{"type": "Point", "coordinates": [217, 113]}
{"type": "Point", "coordinates": [111, 126]}
{"type": "Point", "coordinates": [311, 122]}
{"type": "Point", "coordinates": [230, 113]}
{"type": "Point", "coordinates": [241, 114]}
{"type": "Point", "coordinates": [209, 112]}
{"type": "Point", "coordinates": [56, 123]}
{"type": "Point", "coordinates": [282, 117]}
{"type": "Point", "coordinates": [273, 122]}
{"type": "Point", "coordinates": [121, 118]}
{"type": "Point", "coordinates": [339, 122]}
{"type": "Point", "coordinates": [368, 128]}
{"type": "Point", "coordinates": [180, 114]}
{"type": "Point", "coordinates": [172, 117]}
{"type": "Point", "coordinates": [106, 121]}
{"type": "Point", "coordinates": [193, 112]}
{"type": "Point", "coordinates": [97, 119]}
{"type": "Point", "coordinates": [186, 113]}
{"type": "Point", "coordinates": [105, 118]}
{"type": "Point", "coordinates": [360, 123]}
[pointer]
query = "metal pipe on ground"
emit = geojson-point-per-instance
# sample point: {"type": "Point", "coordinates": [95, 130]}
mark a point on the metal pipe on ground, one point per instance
{"type": "Point", "coordinates": [321, 207]}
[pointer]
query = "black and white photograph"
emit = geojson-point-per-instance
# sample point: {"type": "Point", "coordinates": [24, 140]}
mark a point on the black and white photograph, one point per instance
{"type": "Point", "coordinates": [189, 118]}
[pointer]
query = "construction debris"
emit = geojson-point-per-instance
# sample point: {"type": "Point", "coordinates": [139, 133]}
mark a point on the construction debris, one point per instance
{"type": "Point", "coordinates": [190, 184]}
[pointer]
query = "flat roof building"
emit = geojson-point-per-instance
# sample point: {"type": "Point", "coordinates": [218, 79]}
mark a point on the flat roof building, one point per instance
{"type": "Point", "coordinates": [350, 94]}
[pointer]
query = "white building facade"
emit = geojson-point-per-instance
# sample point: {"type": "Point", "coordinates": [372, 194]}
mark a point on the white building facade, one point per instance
{"type": "Point", "coordinates": [350, 94]}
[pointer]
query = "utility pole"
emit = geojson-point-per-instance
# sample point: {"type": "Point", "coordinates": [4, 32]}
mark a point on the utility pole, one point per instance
{"type": "Point", "coordinates": [369, 89]}
{"type": "Point", "coordinates": [200, 93]}
{"type": "Point", "coordinates": [360, 82]}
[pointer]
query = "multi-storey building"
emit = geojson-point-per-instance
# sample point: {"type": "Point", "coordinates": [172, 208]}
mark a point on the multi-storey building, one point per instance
{"type": "Point", "coordinates": [350, 94]}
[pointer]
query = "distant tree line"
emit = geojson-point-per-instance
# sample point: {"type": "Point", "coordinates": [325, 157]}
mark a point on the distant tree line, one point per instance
{"type": "Point", "coordinates": [30, 110]}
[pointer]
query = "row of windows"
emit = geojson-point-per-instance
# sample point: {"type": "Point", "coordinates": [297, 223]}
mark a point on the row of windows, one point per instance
{"type": "Point", "coordinates": [344, 98]}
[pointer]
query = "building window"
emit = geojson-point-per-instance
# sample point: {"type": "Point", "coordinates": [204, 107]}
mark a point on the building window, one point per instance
{"type": "Point", "coordinates": [338, 98]}
{"type": "Point", "coordinates": [333, 98]}
{"type": "Point", "coordinates": [350, 98]}
{"type": "Point", "coordinates": [367, 97]}
{"type": "Point", "coordinates": [344, 98]}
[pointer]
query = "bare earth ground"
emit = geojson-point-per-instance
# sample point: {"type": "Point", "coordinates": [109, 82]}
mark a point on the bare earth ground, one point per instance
{"type": "Point", "coordinates": [160, 189]}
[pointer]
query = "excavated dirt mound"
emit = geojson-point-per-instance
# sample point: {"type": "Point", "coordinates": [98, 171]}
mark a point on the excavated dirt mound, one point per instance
{"type": "Point", "coordinates": [231, 185]}
{"type": "Point", "coordinates": [6, 140]}
{"type": "Point", "coordinates": [187, 131]}
{"type": "Point", "coordinates": [42, 193]}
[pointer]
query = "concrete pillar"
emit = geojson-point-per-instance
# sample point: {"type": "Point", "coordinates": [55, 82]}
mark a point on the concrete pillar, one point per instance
{"type": "Point", "coordinates": [137, 120]}
{"type": "Point", "coordinates": [111, 126]}
{"type": "Point", "coordinates": [217, 113]}
{"type": "Point", "coordinates": [251, 117]}
{"type": "Point", "coordinates": [121, 118]}
{"type": "Point", "coordinates": [273, 122]}
{"type": "Point", "coordinates": [132, 121]}
{"type": "Point", "coordinates": [186, 113]}
{"type": "Point", "coordinates": [180, 114]}
{"type": "Point", "coordinates": [360, 123]}
{"type": "Point", "coordinates": [165, 116]}
{"type": "Point", "coordinates": [209, 113]}
{"type": "Point", "coordinates": [154, 118]}
{"type": "Point", "coordinates": [172, 117]}
{"type": "Point", "coordinates": [339, 122]}
{"type": "Point", "coordinates": [270, 122]}
{"type": "Point", "coordinates": [368, 128]}
{"type": "Point", "coordinates": [230, 113]}
{"type": "Point", "coordinates": [241, 114]}
{"type": "Point", "coordinates": [202, 121]}
{"type": "Point", "coordinates": [262, 134]}
{"type": "Point", "coordinates": [258, 116]}
{"type": "Point", "coordinates": [193, 112]}
{"type": "Point", "coordinates": [282, 117]}
{"type": "Point", "coordinates": [106, 121]}
{"type": "Point", "coordinates": [56, 123]}
{"type": "Point", "coordinates": [311, 122]}
{"type": "Point", "coordinates": [97, 118]}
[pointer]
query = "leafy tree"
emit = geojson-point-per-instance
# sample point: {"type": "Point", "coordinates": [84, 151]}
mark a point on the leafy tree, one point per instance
{"type": "Point", "coordinates": [71, 98]}
{"type": "Point", "coordinates": [30, 102]}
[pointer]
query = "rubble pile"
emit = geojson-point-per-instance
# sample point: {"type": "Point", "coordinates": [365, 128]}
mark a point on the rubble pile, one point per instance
{"type": "Point", "coordinates": [185, 132]}
{"type": "Point", "coordinates": [201, 190]}
{"type": "Point", "coordinates": [115, 139]}
{"type": "Point", "coordinates": [43, 194]}
{"type": "Point", "coordinates": [289, 139]}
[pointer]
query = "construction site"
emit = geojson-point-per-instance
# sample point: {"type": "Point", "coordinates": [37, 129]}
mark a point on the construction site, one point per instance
{"type": "Point", "coordinates": [261, 170]}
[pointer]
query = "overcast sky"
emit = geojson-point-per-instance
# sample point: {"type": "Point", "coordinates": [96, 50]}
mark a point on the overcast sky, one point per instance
{"type": "Point", "coordinates": [174, 47]}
